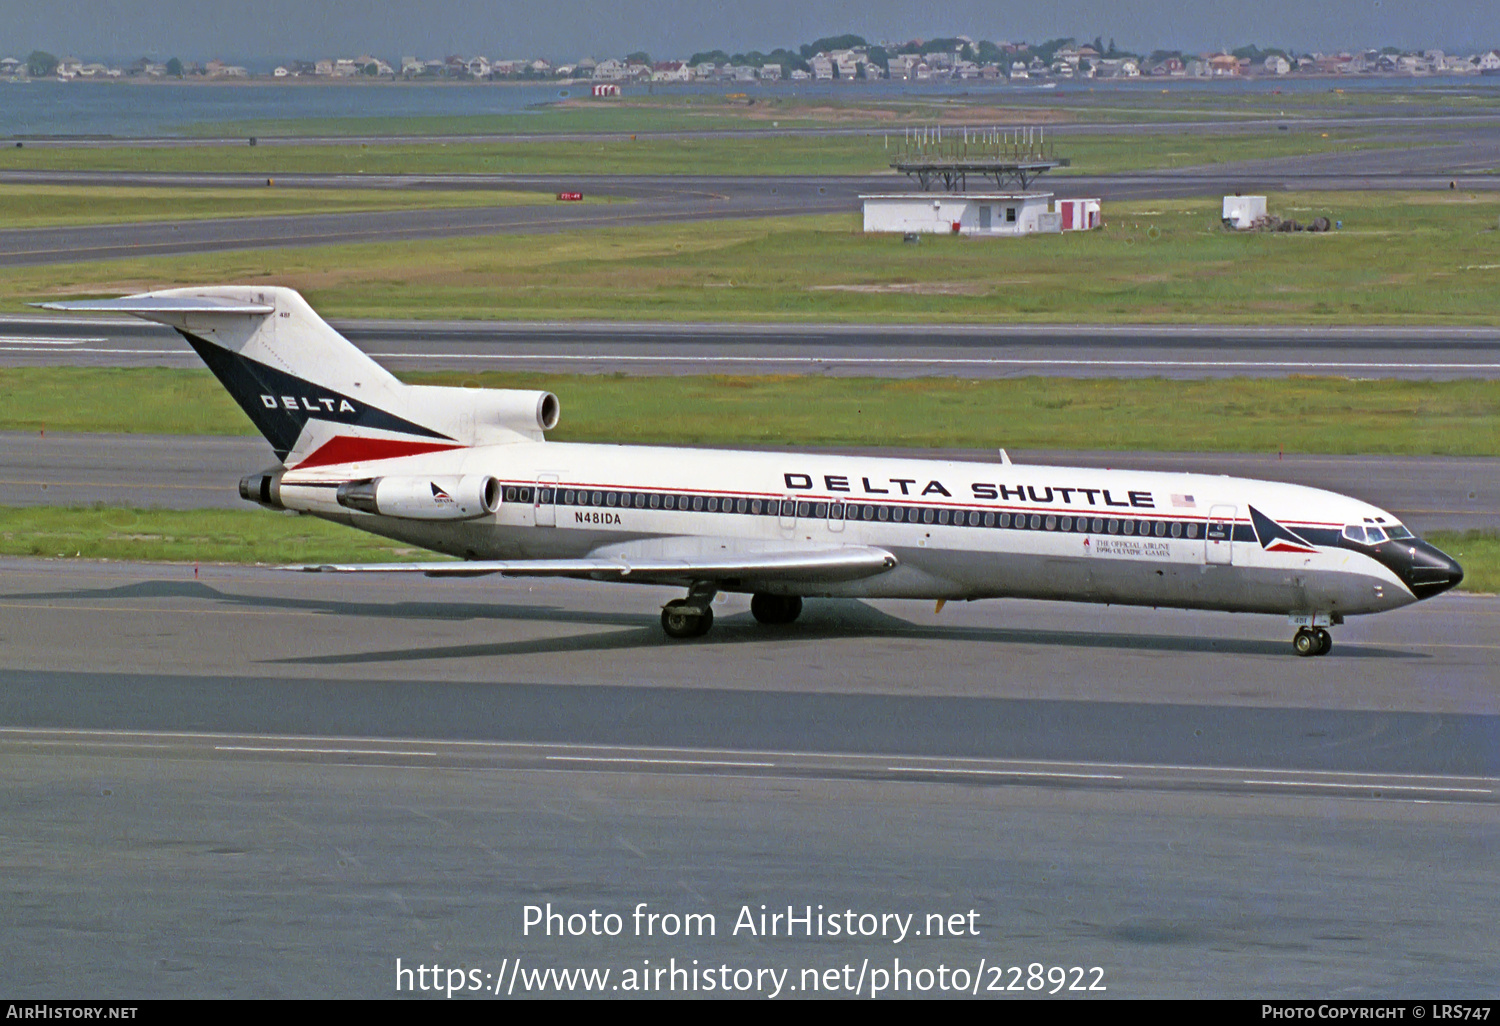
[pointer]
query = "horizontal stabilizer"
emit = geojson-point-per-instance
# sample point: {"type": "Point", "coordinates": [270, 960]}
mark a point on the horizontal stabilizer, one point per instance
{"type": "Point", "coordinates": [835, 564]}
{"type": "Point", "coordinates": [147, 305]}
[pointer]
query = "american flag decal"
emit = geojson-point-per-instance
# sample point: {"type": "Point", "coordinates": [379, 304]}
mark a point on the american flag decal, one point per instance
{"type": "Point", "coordinates": [1184, 501]}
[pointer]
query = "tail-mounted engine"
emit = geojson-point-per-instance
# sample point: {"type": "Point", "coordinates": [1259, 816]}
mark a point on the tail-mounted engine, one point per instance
{"type": "Point", "coordinates": [423, 498]}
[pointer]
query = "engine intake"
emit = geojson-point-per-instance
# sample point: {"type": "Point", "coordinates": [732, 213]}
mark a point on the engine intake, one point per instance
{"type": "Point", "coordinates": [423, 498]}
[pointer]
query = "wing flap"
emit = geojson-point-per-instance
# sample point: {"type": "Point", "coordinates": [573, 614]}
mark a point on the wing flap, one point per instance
{"type": "Point", "coordinates": [843, 563]}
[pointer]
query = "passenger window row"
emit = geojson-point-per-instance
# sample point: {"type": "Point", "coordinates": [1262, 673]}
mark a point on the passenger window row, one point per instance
{"type": "Point", "coordinates": [938, 516]}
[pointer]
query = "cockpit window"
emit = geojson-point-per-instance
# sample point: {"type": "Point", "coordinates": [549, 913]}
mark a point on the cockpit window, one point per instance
{"type": "Point", "coordinates": [1374, 535]}
{"type": "Point", "coordinates": [1355, 532]}
{"type": "Point", "coordinates": [1397, 531]}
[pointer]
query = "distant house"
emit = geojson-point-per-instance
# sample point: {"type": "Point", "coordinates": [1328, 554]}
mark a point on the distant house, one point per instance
{"type": "Point", "coordinates": [611, 70]}
{"type": "Point", "coordinates": [1277, 65]}
{"type": "Point", "coordinates": [1490, 61]}
{"type": "Point", "coordinates": [770, 72]}
{"type": "Point", "coordinates": [218, 69]}
{"type": "Point", "coordinates": [671, 71]}
{"type": "Point", "coordinates": [822, 68]}
{"type": "Point", "coordinates": [1223, 65]}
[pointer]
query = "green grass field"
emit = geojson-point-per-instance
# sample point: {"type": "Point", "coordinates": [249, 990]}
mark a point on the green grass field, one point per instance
{"type": "Point", "coordinates": [776, 155]}
{"type": "Point", "coordinates": [260, 536]}
{"type": "Point", "coordinates": [1317, 415]}
{"type": "Point", "coordinates": [189, 536]}
{"type": "Point", "coordinates": [668, 110]}
{"type": "Point", "coordinates": [41, 206]}
{"type": "Point", "coordinates": [1401, 258]}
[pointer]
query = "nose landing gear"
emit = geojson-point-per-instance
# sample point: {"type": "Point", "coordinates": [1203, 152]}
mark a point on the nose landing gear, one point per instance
{"type": "Point", "coordinates": [1312, 641]}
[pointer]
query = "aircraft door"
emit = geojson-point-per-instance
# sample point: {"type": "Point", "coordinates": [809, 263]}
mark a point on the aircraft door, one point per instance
{"type": "Point", "coordinates": [1218, 539]}
{"type": "Point", "coordinates": [835, 517]}
{"type": "Point", "coordinates": [788, 519]}
{"type": "Point", "coordinates": [544, 500]}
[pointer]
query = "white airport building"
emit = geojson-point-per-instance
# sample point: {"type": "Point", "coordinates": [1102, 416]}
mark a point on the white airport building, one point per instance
{"type": "Point", "coordinates": [983, 214]}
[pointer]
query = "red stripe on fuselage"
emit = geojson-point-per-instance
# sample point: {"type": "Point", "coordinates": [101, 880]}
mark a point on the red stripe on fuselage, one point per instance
{"type": "Point", "coordinates": [349, 449]}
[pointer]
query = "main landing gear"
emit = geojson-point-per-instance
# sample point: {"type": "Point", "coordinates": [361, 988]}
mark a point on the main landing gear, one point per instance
{"type": "Point", "coordinates": [691, 617]}
{"type": "Point", "coordinates": [1312, 641]}
{"type": "Point", "coordinates": [775, 609]}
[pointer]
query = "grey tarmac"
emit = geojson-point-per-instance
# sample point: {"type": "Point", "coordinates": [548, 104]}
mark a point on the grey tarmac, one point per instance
{"type": "Point", "coordinates": [1171, 351]}
{"type": "Point", "coordinates": [265, 784]}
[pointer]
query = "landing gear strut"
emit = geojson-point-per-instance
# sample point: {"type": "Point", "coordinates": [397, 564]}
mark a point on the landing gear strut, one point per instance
{"type": "Point", "coordinates": [775, 609]}
{"type": "Point", "coordinates": [1312, 641]}
{"type": "Point", "coordinates": [690, 617]}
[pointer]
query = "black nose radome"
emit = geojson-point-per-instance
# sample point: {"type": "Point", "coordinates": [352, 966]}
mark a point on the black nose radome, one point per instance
{"type": "Point", "coordinates": [1430, 571]}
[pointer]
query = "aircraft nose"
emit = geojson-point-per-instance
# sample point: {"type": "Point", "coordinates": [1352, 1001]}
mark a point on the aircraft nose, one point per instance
{"type": "Point", "coordinates": [1431, 571]}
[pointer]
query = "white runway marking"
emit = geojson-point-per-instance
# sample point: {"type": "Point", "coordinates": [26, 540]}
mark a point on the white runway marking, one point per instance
{"type": "Point", "coordinates": [939, 361]}
{"type": "Point", "coordinates": [9, 340]}
{"type": "Point", "coordinates": [319, 751]}
{"type": "Point", "coordinates": [658, 762]}
{"type": "Point", "coordinates": [18, 345]}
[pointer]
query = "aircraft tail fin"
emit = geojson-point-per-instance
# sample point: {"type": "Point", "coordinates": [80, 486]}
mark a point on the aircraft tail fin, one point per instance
{"type": "Point", "coordinates": [312, 393]}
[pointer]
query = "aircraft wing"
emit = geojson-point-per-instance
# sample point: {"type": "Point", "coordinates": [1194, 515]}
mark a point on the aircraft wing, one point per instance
{"type": "Point", "coordinates": [840, 563]}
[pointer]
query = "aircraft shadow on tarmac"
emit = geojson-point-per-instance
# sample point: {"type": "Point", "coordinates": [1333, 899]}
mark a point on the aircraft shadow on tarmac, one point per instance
{"type": "Point", "coordinates": [823, 620]}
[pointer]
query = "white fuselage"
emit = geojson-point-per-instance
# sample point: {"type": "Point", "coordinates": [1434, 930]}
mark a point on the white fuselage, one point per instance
{"type": "Point", "coordinates": [959, 530]}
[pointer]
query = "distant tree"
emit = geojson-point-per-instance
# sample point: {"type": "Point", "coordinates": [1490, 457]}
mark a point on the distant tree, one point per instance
{"type": "Point", "coordinates": [174, 68]}
{"type": "Point", "coordinates": [949, 44]}
{"type": "Point", "coordinates": [788, 60]}
{"type": "Point", "coordinates": [372, 69]}
{"type": "Point", "coordinates": [848, 41]}
{"type": "Point", "coordinates": [987, 52]}
{"type": "Point", "coordinates": [1255, 54]}
{"type": "Point", "coordinates": [1099, 44]}
{"type": "Point", "coordinates": [639, 57]}
{"type": "Point", "coordinates": [709, 57]}
{"type": "Point", "coordinates": [40, 64]}
{"type": "Point", "coordinates": [1046, 51]}
{"type": "Point", "coordinates": [1391, 51]}
{"type": "Point", "coordinates": [879, 57]}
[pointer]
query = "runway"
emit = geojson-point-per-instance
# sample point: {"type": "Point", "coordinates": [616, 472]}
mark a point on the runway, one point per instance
{"type": "Point", "coordinates": [202, 472]}
{"type": "Point", "coordinates": [879, 350]}
{"type": "Point", "coordinates": [251, 783]}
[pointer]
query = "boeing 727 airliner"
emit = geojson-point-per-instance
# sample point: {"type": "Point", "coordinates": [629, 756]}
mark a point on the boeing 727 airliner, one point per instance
{"type": "Point", "coordinates": [468, 473]}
